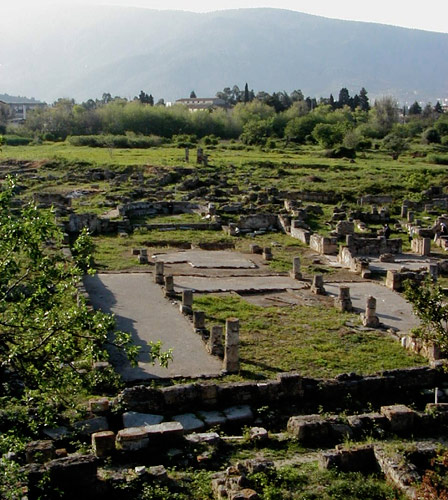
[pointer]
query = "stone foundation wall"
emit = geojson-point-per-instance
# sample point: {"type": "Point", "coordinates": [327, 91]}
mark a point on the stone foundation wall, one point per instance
{"type": "Point", "coordinates": [258, 221]}
{"type": "Point", "coordinates": [323, 244]}
{"type": "Point", "coordinates": [301, 234]}
{"type": "Point", "coordinates": [139, 208]}
{"type": "Point", "coordinates": [95, 224]}
{"type": "Point", "coordinates": [326, 197]}
{"type": "Point", "coordinates": [373, 246]}
{"type": "Point", "coordinates": [395, 279]}
{"type": "Point", "coordinates": [289, 389]}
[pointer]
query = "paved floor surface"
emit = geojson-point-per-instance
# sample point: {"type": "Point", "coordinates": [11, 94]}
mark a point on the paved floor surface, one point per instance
{"type": "Point", "coordinates": [392, 309]}
{"type": "Point", "coordinates": [142, 310]}
{"type": "Point", "coordinates": [237, 283]}
{"type": "Point", "coordinates": [207, 259]}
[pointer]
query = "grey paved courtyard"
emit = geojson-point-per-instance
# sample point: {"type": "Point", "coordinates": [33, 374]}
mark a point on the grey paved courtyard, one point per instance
{"type": "Point", "coordinates": [142, 310]}
{"type": "Point", "coordinates": [392, 309]}
{"type": "Point", "coordinates": [207, 259]}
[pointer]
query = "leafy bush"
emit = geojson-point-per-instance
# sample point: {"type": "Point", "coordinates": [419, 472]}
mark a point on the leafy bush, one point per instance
{"type": "Point", "coordinates": [438, 159]}
{"type": "Point", "coordinates": [16, 140]}
{"type": "Point", "coordinates": [184, 140]}
{"type": "Point", "coordinates": [116, 141]}
{"type": "Point", "coordinates": [431, 136]}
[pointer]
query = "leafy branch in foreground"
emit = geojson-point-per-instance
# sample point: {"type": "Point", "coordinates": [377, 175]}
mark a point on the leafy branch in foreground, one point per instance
{"type": "Point", "coordinates": [49, 339]}
{"type": "Point", "coordinates": [430, 306]}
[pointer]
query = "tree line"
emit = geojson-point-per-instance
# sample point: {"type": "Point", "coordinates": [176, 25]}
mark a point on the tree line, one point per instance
{"type": "Point", "coordinates": [256, 119]}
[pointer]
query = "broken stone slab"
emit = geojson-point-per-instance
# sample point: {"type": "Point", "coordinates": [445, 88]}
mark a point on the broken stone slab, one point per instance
{"type": "Point", "coordinates": [100, 405]}
{"type": "Point", "coordinates": [136, 419]}
{"type": "Point", "coordinates": [168, 431]}
{"type": "Point", "coordinates": [401, 418]}
{"type": "Point", "coordinates": [239, 414]}
{"type": "Point", "coordinates": [57, 433]}
{"type": "Point", "coordinates": [210, 438]}
{"type": "Point", "coordinates": [158, 472]}
{"type": "Point", "coordinates": [91, 425]}
{"type": "Point", "coordinates": [368, 424]}
{"type": "Point", "coordinates": [212, 418]}
{"type": "Point", "coordinates": [258, 434]}
{"type": "Point", "coordinates": [132, 439]}
{"type": "Point", "coordinates": [309, 428]}
{"type": "Point", "coordinates": [190, 422]}
{"type": "Point", "coordinates": [357, 459]}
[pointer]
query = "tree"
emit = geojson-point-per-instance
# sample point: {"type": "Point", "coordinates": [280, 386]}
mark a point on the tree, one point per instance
{"type": "Point", "coordinates": [49, 339]}
{"type": "Point", "coordinates": [429, 305]}
{"type": "Point", "coordinates": [395, 145]}
{"type": "Point", "coordinates": [344, 98]}
{"type": "Point", "coordinates": [415, 109]}
{"type": "Point", "coordinates": [327, 135]}
{"type": "Point", "coordinates": [192, 94]}
{"type": "Point", "coordinates": [364, 100]}
{"type": "Point", "coordinates": [246, 93]}
{"type": "Point", "coordinates": [144, 98]}
{"type": "Point", "coordinates": [384, 115]}
{"type": "Point", "coordinates": [438, 108]}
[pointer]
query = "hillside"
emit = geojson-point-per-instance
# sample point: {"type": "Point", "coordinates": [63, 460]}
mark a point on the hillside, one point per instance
{"type": "Point", "coordinates": [84, 51]}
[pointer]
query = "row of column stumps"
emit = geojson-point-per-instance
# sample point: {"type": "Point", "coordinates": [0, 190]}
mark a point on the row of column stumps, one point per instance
{"type": "Point", "coordinates": [230, 349]}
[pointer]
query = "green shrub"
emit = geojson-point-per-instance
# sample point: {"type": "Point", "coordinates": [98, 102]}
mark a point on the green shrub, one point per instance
{"type": "Point", "coordinates": [16, 140]}
{"type": "Point", "coordinates": [116, 141]}
{"type": "Point", "coordinates": [438, 159]}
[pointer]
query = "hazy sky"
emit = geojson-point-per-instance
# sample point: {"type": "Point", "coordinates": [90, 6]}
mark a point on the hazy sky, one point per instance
{"type": "Point", "coordinates": [430, 15]}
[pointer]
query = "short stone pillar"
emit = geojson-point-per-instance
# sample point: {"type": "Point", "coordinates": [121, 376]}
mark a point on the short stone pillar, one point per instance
{"type": "Point", "coordinates": [199, 320]}
{"type": "Point", "coordinates": [295, 273]}
{"type": "Point", "coordinates": [404, 211]}
{"type": "Point", "coordinates": [143, 256]}
{"type": "Point", "coordinates": [169, 286]}
{"type": "Point", "coordinates": [267, 253]}
{"type": "Point", "coordinates": [211, 208]}
{"type": "Point", "coordinates": [410, 216]}
{"type": "Point", "coordinates": [343, 301]}
{"type": "Point", "coordinates": [103, 443]}
{"type": "Point", "coordinates": [231, 351]}
{"type": "Point", "coordinates": [187, 302]}
{"type": "Point", "coordinates": [214, 345]}
{"type": "Point", "coordinates": [199, 156]}
{"type": "Point", "coordinates": [187, 155]}
{"type": "Point", "coordinates": [318, 285]}
{"type": "Point", "coordinates": [159, 274]}
{"type": "Point", "coordinates": [426, 246]}
{"type": "Point", "coordinates": [369, 318]}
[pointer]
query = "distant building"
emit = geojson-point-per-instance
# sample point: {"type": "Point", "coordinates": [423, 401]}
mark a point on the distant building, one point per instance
{"type": "Point", "coordinates": [19, 107]}
{"type": "Point", "coordinates": [200, 103]}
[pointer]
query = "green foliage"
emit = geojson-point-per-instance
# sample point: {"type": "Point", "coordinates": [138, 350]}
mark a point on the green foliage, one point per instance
{"type": "Point", "coordinates": [327, 135]}
{"type": "Point", "coordinates": [438, 159]}
{"type": "Point", "coordinates": [116, 141]}
{"type": "Point", "coordinates": [394, 145]}
{"type": "Point", "coordinates": [431, 136]}
{"type": "Point", "coordinates": [257, 131]}
{"type": "Point", "coordinates": [16, 140]}
{"type": "Point", "coordinates": [428, 302]}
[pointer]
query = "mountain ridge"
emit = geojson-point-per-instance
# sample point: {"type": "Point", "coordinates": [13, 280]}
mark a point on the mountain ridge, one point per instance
{"type": "Point", "coordinates": [85, 51]}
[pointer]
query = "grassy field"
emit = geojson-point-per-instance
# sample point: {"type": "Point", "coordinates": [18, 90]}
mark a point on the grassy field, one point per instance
{"type": "Point", "coordinates": [313, 340]}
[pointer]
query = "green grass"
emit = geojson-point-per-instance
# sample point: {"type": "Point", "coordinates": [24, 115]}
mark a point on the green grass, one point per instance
{"type": "Point", "coordinates": [314, 341]}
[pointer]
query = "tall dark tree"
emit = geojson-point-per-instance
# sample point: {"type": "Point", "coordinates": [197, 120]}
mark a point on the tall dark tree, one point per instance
{"type": "Point", "coordinates": [151, 100]}
{"type": "Point", "coordinates": [246, 93]}
{"type": "Point", "coordinates": [344, 98]}
{"type": "Point", "coordinates": [438, 108]}
{"type": "Point", "coordinates": [144, 98]}
{"type": "Point", "coordinates": [331, 101]}
{"type": "Point", "coordinates": [415, 109]}
{"type": "Point", "coordinates": [193, 94]}
{"type": "Point", "coordinates": [364, 100]}
{"type": "Point", "coordinates": [297, 95]}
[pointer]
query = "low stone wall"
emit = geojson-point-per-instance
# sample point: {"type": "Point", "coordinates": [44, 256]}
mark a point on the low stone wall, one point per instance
{"type": "Point", "coordinates": [373, 246]}
{"type": "Point", "coordinates": [95, 224]}
{"type": "Point", "coordinates": [395, 279]}
{"type": "Point", "coordinates": [326, 197]}
{"type": "Point", "coordinates": [348, 260]}
{"type": "Point", "coordinates": [140, 208]}
{"type": "Point", "coordinates": [373, 199]}
{"type": "Point", "coordinates": [421, 246]}
{"type": "Point", "coordinates": [323, 244]}
{"type": "Point", "coordinates": [258, 222]}
{"type": "Point", "coordinates": [290, 389]}
{"type": "Point", "coordinates": [200, 226]}
{"type": "Point", "coordinates": [300, 233]}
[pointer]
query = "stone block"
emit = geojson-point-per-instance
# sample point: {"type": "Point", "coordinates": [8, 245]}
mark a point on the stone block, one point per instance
{"type": "Point", "coordinates": [75, 474]}
{"type": "Point", "coordinates": [166, 431]}
{"type": "Point", "coordinates": [309, 429]}
{"type": "Point", "coordinates": [103, 443]}
{"type": "Point", "coordinates": [210, 438]}
{"type": "Point", "coordinates": [239, 414]}
{"type": "Point", "coordinates": [181, 396]}
{"type": "Point", "coordinates": [189, 422]}
{"type": "Point", "coordinates": [367, 424]}
{"type": "Point", "coordinates": [57, 433]}
{"type": "Point", "coordinates": [136, 419]}
{"type": "Point", "coordinates": [401, 418]}
{"type": "Point", "coordinates": [133, 438]}
{"type": "Point", "coordinates": [40, 451]}
{"type": "Point", "coordinates": [91, 425]}
{"type": "Point", "coordinates": [158, 472]}
{"type": "Point", "coordinates": [244, 494]}
{"type": "Point", "coordinates": [258, 434]}
{"type": "Point", "coordinates": [213, 418]}
{"type": "Point", "coordinates": [100, 405]}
